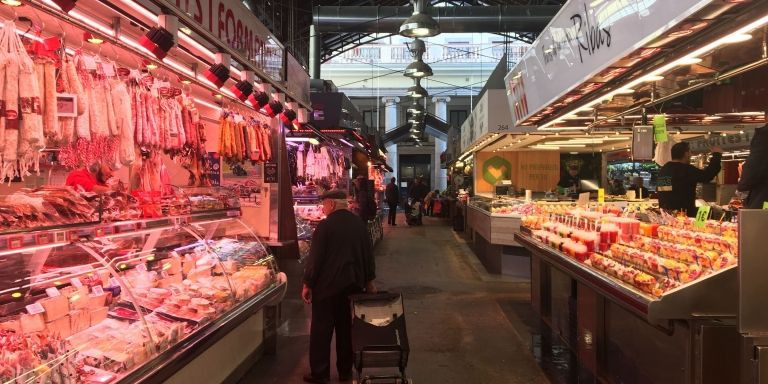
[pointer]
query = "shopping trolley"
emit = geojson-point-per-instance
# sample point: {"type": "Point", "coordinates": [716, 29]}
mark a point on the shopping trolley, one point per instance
{"type": "Point", "coordinates": [379, 339]}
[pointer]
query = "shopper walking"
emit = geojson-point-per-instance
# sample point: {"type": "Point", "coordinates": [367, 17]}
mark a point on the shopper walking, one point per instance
{"type": "Point", "coordinates": [418, 193]}
{"type": "Point", "coordinates": [678, 178]}
{"type": "Point", "coordinates": [392, 195]}
{"type": "Point", "coordinates": [340, 263]}
{"type": "Point", "coordinates": [429, 201]}
{"type": "Point", "coordinates": [754, 174]}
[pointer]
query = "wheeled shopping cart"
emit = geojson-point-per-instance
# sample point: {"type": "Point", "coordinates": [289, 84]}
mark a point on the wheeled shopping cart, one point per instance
{"type": "Point", "coordinates": [379, 339]}
{"type": "Point", "coordinates": [413, 213]}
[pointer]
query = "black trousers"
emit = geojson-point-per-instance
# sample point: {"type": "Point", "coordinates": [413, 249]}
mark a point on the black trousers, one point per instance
{"type": "Point", "coordinates": [392, 213]}
{"type": "Point", "coordinates": [329, 315]}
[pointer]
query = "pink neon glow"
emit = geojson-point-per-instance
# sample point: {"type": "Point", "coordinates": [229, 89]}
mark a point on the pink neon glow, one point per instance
{"type": "Point", "coordinates": [187, 40]}
{"type": "Point", "coordinates": [179, 67]}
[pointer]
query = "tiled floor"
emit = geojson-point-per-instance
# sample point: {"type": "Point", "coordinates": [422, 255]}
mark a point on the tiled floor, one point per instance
{"type": "Point", "coordinates": [464, 326]}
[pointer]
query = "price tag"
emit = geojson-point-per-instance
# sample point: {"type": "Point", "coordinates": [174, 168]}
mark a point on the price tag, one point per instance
{"type": "Point", "coordinates": [97, 290]}
{"type": "Point", "coordinates": [702, 216]}
{"type": "Point", "coordinates": [52, 292]}
{"type": "Point", "coordinates": [765, 204]}
{"type": "Point", "coordinates": [113, 282]}
{"type": "Point", "coordinates": [660, 128]}
{"type": "Point", "coordinates": [89, 62]}
{"type": "Point", "coordinates": [601, 195]}
{"type": "Point", "coordinates": [583, 199]}
{"type": "Point", "coordinates": [34, 309]}
{"type": "Point", "coordinates": [76, 282]}
{"type": "Point", "coordinates": [141, 267]}
{"type": "Point", "coordinates": [108, 69]}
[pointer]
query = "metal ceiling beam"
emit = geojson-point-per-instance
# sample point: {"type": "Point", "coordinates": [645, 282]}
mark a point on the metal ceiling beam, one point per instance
{"type": "Point", "coordinates": [387, 19]}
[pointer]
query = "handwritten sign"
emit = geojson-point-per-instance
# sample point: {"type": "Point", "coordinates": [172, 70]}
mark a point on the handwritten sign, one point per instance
{"type": "Point", "coordinates": [702, 216]}
{"type": "Point", "coordinates": [34, 309]}
{"type": "Point", "coordinates": [583, 199]}
{"type": "Point", "coordinates": [660, 129]}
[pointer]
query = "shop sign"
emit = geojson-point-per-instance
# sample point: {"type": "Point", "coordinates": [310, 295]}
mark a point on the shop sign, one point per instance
{"type": "Point", "coordinates": [735, 140]}
{"type": "Point", "coordinates": [237, 27]}
{"type": "Point", "coordinates": [584, 38]}
{"type": "Point", "coordinates": [297, 79]}
{"type": "Point", "coordinates": [270, 173]}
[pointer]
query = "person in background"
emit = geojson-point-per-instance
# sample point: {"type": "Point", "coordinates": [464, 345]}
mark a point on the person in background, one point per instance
{"type": "Point", "coordinates": [754, 171]}
{"type": "Point", "coordinates": [429, 201]}
{"type": "Point", "coordinates": [91, 179]}
{"type": "Point", "coordinates": [366, 204]}
{"type": "Point", "coordinates": [678, 178]}
{"type": "Point", "coordinates": [340, 263]}
{"type": "Point", "coordinates": [392, 195]}
{"type": "Point", "coordinates": [617, 187]}
{"type": "Point", "coordinates": [641, 192]}
{"type": "Point", "coordinates": [418, 193]}
{"type": "Point", "coordinates": [571, 179]}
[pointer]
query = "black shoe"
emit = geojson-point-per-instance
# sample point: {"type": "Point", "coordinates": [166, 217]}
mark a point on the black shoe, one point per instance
{"type": "Point", "coordinates": [394, 225]}
{"type": "Point", "coordinates": [308, 378]}
{"type": "Point", "coordinates": [345, 377]}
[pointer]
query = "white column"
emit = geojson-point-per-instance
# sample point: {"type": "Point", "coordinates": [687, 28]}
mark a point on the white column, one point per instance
{"type": "Point", "coordinates": [440, 175]}
{"type": "Point", "coordinates": [390, 123]}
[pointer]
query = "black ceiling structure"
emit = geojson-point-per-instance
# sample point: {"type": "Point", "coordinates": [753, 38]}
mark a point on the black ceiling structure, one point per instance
{"type": "Point", "coordinates": [290, 21]}
{"type": "Point", "coordinates": [433, 126]}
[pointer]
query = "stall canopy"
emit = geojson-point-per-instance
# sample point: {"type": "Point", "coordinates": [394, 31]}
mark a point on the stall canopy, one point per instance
{"type": "Point", "coordinates": [433, 126]}
{"type": "Point", "coordinates": [603, 68]}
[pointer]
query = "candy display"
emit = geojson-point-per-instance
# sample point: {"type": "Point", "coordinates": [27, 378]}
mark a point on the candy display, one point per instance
{"type": "Point", "coordinates": [651, 257]}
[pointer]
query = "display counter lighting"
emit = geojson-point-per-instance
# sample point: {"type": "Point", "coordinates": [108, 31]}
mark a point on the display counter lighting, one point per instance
{"type": "Point", "coordinates": [652, 78]}
{"type": "Point", "coordinates": [207, 103]}
{"type": "Point", "coordinates": [689, 61]}
{"type": "Point", "coordinates": [625, 91]}
{"type": "Point", "coordinates": [12, 3]}
{"type": "Point", "coordinates": [93, 39]}
{"type": "Point", "coordinates": [186, 30]}
{"type": "Point", "coordinates": [736, 38]}
{"type": "Point", "coordinates": [713, 117]}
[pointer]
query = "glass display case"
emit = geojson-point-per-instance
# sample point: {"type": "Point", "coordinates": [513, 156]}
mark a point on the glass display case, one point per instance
{"type": "Point", "coordinates": [119, 302]}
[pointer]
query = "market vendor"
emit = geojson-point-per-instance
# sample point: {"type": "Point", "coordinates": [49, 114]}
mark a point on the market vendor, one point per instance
{"type": "Point", "coordinates": [570, 179]}
{"type": "Point", "coordinates": [641, 192]}
{"type": "Point", "coordinates": [678, 179]}
{"type": "Point", "coordinates": [91, 179]}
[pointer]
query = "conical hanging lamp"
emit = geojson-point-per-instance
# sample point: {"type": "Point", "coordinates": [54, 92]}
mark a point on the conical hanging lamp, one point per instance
{"type": "Point", "coordinates": [420, 24]}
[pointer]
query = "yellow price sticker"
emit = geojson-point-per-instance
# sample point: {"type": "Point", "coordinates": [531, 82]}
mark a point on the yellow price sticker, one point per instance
{"type": "Point", "coordinates": [702, 216]}
{"type": "Point", "coordinates": [765, 204]}
{"type": "Point", "coordinates": [601, 195]}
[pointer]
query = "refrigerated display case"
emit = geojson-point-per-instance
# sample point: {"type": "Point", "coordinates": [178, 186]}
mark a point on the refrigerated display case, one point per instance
{"type": "Point", "coordinates": [657, 305]}
{"type": "Point", "coordinates": [147, 300]}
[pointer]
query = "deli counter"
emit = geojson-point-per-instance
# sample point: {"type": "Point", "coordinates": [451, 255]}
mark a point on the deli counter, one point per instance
{"type": "Point", "coordinates": [119, 291]}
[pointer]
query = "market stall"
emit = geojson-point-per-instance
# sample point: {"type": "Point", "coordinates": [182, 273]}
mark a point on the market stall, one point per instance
{"type": "Point", "coordinates": [151, 281]}
{"type": "Point", "coordinates": [647, 296]}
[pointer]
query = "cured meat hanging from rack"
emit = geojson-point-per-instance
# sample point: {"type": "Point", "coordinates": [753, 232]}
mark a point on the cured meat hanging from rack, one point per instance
{"type": "Point", "coordinates": [82, 121]}
{"type": "Point", "coordinates": [66, 123]}
{"type": "Point", "coordinates": [267, 142]}
{"type": "Point", "coordinates": [11, 97]}
{"type": "Point", "coordinates": [51, 125]}
{"type": "Point", "coordinates": [121, 101]}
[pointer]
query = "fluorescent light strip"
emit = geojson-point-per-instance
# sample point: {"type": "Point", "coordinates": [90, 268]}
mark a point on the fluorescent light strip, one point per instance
{"type": "Point", "coordinates": [138, 8]}
{"type": "Point", "coordinates": [127, 40]}
{"type": "Point", "coordinates": [206, 103]}
{"type": "Point", "coordinates": [179, 67]}
{"type": "Point", "coordinates": [192, 42]}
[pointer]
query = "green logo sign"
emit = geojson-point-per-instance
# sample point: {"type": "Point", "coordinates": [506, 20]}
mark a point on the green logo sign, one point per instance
{"type": "Point", "coordinates": [496, 169]}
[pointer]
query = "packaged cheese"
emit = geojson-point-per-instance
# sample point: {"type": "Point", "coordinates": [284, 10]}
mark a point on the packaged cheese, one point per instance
{"type": "Point", "coordinates": [98, 315]}
{"type": "Point", "coordinates": [32, 323]}
{"type": "Point", "coordinates": [60, 327]}
{"type": "Point", "coordinates": [55, 307]}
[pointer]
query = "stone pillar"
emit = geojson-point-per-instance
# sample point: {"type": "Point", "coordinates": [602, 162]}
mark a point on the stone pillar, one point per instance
{"type": "Point", "coordinates": [440, 178]}
{"type": "Point", "coordinates": [390, 123]}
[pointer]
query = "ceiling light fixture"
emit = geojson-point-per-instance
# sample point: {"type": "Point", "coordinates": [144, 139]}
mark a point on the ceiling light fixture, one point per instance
{"type": "Point", "coordinates": [688, 61]}
{"type": "Point", "coordinates": [218, 74]}
{"type": "Point", "coordinates": [420, 24]}
{"type": "Point", "coordinates": [91, 38]}
{"type": "Point", "coordinates": [12, 3]}
{"type": "Point", "coordinates": [736, 38]}
{"type": "Point", "coordinates": [418, 68]}
{"type": "Point", "coordinates": [652, 78]}
{"type": "Point", "coordinates": [417, 91]}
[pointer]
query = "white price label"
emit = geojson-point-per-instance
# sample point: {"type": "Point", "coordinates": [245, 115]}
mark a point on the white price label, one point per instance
{"type": "Point", "coordinates": [108, 69]}
{"type": "Point", "coordinates": [34, 309]}
{"type": "Point", "coordinates": [97, 290]}
{"type": "Point", "coordinates": [141, 267]}
{"type": "Point", "coordinates": [76, 282]}
{"type": "Point", "coordinates": [52, 292]}
{"type": "Point", "coordinates": [89, 62]}
{"type": "Point", "coordinates": [113, 282]}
